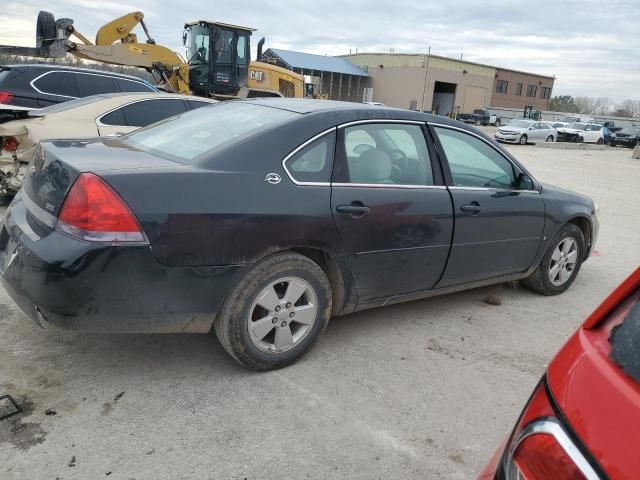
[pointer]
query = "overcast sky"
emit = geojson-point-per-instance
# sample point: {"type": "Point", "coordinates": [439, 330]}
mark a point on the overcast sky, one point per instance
{"type": "Point", "coordinates": [593, 47]}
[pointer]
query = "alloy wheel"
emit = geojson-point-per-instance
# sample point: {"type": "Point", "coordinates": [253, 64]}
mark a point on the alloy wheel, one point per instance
{"type": "Point", "coordinates": [563, 261]}
{"type": "Point", "coordinates": [282, 315]}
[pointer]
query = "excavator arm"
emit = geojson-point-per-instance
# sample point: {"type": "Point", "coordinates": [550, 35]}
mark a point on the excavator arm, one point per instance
{"type": "Point", "coordinates": [53, 40]}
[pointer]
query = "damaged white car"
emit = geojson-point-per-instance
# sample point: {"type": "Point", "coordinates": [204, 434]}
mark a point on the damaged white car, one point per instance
{"type": "Point", "coordinates": [95, 116]}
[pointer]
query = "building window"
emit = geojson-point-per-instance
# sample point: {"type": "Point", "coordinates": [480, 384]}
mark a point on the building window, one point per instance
{"type": "Point", "coordinates": [545, 93]}
{"type": "Point", "coordinates": [532, 90]}
{"type": "Point", "coordinates": [519, 89]}
{"type": "Point", "coordinates": [501, 86]}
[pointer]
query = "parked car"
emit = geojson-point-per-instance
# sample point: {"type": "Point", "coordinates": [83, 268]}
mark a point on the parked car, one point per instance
{"type": "Point", "coordinates": [568, 119]}
{"type": "Point", "coordinates": [583, 419]}
{"type": "Point", "coordinates": [524, 131]}
{"type": "Point", "coordinates": [262, 218]}
{"type": "Point", "coordinates": [481, 116]}
{"type": "Point", "coordinates": [98, 115]}
{"type": "Point", "coordinates": [628, 137]}
{"type": "Point", "coordinates": [556, 125]}
{"type": "Point", "coordinates": [582, 133]}
{"type": "Point", "coordinates": [41, 85]}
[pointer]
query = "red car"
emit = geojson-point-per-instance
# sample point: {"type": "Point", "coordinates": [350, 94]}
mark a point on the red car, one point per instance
{"type": "Point", "coordinates": [583, 419]}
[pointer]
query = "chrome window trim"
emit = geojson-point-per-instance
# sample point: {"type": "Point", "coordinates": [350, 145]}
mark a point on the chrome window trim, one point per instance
{"type": "Point", "coordinates": [301, 147]}
{"type": "Point", "coordinates": [32, 83]}
{"type": "Point", "coordinates": [553, 428]}
{"type": "Point", "coordinates": [494, 189]}
{"type": "Point", "coordinates": [378, 120]}
{"type": "Point", "coordinates": [518, 169]}
{"type": "Point", "coordinates": [99, 119]}
{"type": "Point", "coordinates": [390, 185]}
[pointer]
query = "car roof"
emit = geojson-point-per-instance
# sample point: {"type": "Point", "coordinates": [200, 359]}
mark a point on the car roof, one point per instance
{"type": "Point", "coordinates": [49, 66]}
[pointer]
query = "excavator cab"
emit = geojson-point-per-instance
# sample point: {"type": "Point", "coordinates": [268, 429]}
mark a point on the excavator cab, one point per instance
{"type": "Point", "coordinates": [218, 55]}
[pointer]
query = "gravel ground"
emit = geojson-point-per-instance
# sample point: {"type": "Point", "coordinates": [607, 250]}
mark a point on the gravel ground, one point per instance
{"type": "Point", "coordinates": [426, 389]}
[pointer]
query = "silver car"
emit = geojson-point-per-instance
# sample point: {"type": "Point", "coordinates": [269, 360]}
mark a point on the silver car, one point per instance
{"type": "Point", "coordinates": [522, 131]}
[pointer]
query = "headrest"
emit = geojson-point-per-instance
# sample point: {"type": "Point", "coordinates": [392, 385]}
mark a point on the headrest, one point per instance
{"type": "Point", "coordinates": [373, 166]}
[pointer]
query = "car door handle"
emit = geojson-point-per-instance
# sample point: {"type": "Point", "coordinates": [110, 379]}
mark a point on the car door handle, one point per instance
{"type": "Point", "coordinates": [356, 209]}
{"type": "Point", "coordinates": [473, 208]}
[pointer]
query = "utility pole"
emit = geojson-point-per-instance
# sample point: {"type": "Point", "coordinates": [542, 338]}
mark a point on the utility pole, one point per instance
{"type": "Point", "coordinates": [426, 74]}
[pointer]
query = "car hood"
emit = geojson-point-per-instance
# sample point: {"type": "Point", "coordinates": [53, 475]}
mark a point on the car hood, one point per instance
{"type": "Point", "coordinates": [512, 129]}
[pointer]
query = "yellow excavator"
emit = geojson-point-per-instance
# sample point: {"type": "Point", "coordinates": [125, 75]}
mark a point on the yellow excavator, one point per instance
{"type": "Point", "coordinates": [218, 63]}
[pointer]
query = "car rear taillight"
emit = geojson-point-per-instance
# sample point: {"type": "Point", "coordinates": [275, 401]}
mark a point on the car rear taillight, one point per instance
{"type": "Point", "coordinates": [540, 448]}
{"type": "Point", "coordinates": [93, 212]}
{"type": "Point", "coordinates": [5, 97]}
{"type": "Point", "coordinates": [10, 144]}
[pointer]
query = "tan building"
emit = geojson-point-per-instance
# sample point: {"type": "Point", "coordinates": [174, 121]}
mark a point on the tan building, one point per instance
{"type": "Point", "coordinates": [445, 85]}
{"type": "Point", "coordinates": [426, 82]}
{"type": "Point", "coordinates": [514, 89]}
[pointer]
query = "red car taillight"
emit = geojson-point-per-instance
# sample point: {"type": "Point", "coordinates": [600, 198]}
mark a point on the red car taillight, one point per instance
{"type": "Point", "coordinates": [540, 447]}
{"type": "Point", "coordinates": [93, 212]}
{"type": "Point", "coordinates": [10, 144]}
{"type": "Point", "coordinates": [5, 97]}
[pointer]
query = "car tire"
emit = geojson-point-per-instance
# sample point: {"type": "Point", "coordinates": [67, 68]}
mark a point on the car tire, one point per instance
{"type": "Point", "coordinates": [612, 144]}
{"type": "Point", "coordinates": [46, 29]}
{"type": "Point", "coordinates": [548, 278]}
{"type": "Point", "coordinates": [244, 318]}
{"type": "Point", "coordinates": [523, 140]}
{"type": "Point", "coordinates": [580, 140]}
{"type": "Point", "coordinates": [600, 141]}
{"type": "Point", "coordinates": [549, 138]}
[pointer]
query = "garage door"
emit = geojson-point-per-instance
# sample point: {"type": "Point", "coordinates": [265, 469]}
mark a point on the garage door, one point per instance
{"type": "Point", "coordinates": [474, 98]}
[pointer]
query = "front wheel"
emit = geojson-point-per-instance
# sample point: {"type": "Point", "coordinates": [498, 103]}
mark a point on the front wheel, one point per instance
{"type": "Point", "coordinates": [550, 138]}
{"type": "Point", "coordinates": [275, 313]}
{"type": "Point", "coordinates": [560, 264]}
{"type": "Point", "coordinates": [523, 140]}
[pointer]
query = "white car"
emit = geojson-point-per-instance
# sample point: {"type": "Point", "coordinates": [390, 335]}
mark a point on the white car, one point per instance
{"type": "Point", "coordinates": [524, 131]}
{"type": "Point", "coordinates": [95, 116]}
{"type": "Point", "coordinates": [581, 133]}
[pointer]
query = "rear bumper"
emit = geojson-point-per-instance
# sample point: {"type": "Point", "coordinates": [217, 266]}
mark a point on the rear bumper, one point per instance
{"type": "Point", "coordinates": [57, 280]}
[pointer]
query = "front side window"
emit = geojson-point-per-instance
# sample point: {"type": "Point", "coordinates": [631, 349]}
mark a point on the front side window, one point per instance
{"type": "Point", "coordinates": [224, 46]}
{"type": "Point", "coordinates": [387, 154]}
{"type": "Point", "coordinates": [473, 162]}
{"type": "Point", "coordinates": [242, 49]}
{"type": "Point", "coordinates": [198, 51]}
{"type": "Point", "coordinates": [313, 163]}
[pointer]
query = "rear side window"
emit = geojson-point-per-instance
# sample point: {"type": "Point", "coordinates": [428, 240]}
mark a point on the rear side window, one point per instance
{"type": "Point", "coordinates": [197, 104]}
{"type": "Point", "coordinates": [188, 138]}
{"type": "Point", "coordinates": [57, 83]}
{"type": "Point", "coordinates": [132, 86]}
{"type": "Point", "coordinates": [92, 84]}
{"type": "Point", "coordinates": [114, 118]}
{"type": "Point", "coordinates": [313, 162]}
{"type": "Point", "coordinates": [141, 114]}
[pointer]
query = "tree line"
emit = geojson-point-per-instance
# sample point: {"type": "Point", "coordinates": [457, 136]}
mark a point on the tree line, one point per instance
{"type": "Point", "coordinates": [72, 61]}
{"type": "Point", "coordinates": [602, 106]}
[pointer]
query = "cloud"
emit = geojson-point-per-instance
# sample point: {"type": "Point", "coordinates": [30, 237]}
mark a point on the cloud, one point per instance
{"type": "Point", "coordinates": [591, 46]}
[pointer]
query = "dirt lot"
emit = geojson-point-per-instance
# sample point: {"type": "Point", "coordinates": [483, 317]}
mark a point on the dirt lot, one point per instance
{"type": "Point", "coordinates": [422, 390]}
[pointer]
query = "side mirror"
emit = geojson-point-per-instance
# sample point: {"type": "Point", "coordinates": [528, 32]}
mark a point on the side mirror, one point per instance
{"type": "Point", "coordinates": [525, 182]}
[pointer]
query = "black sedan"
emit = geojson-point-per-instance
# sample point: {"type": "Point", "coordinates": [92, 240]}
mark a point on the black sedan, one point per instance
{"type": "Point", "coordinates": [628, 137]}
{"type": "Point", "coordinates": [261, 219]}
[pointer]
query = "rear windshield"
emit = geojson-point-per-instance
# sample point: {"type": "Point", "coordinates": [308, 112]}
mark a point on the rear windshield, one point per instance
{"type": "Point", "coordinates": [64, 106]}
{"type": "Point", "coordinates": [188, 137]}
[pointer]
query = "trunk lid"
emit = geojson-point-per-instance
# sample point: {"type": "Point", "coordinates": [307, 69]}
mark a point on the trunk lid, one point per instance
{"type": "Point", "coordinates": [599, 396]}
{"type": "Point", "coordinates": [57, 164]}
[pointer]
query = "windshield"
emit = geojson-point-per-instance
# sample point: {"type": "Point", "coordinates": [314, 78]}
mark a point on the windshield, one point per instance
{"type": "Point", "coordinates": [198, 50]}
{"type": "Point", "coordinates": [187, 137]}
{"type": "Point", "coordinates": [578, 126]}
{"type": "Point", "coordinates": [519, 123]}
{"type": "Point", "coordinates": [568, 119]}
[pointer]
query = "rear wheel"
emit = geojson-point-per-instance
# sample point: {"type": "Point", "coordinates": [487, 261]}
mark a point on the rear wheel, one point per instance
{"type": "Point", "coordinates": [275, 313]}
{"type": "Point", "coordinates": [550, 138]}
{"type": "Point", "coordinates": [560, 264]}
{"type": "Point", "coordinates": [523, 140]}
{"type": "Point", "coordinates": [600, 141]}
{"type": "Point", "coordinates": [580, 139]}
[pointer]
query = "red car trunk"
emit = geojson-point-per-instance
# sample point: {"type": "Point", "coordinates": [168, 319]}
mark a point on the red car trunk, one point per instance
{"type": "Point", "coordinates": [599, 400]}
